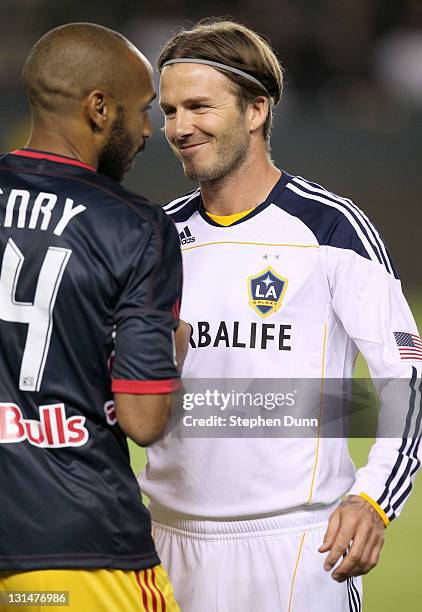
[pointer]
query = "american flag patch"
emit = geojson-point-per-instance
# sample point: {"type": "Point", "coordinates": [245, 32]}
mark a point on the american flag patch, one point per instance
{"type": "Point", "coordinates": [410, 346]}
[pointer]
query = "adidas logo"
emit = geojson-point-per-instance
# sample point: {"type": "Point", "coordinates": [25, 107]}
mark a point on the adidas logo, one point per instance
{"type": "Point", "coordinates": [186, 236]}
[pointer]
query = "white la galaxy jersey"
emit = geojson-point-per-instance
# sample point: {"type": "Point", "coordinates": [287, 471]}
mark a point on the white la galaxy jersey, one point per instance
{"type": "Point", "coordinates": [294, 289]}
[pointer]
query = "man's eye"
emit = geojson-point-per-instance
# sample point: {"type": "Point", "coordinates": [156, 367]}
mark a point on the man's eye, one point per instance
{"type": "Point", "coordinates": [198, 107]}
{"type": "Point", "coordinates": [168, 112]}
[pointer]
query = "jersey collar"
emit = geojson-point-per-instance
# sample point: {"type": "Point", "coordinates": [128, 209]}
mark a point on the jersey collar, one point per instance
{"type": "Point", "coordinates": [60, 159]}
{"type": "Point", "coordinates": [273, 195]}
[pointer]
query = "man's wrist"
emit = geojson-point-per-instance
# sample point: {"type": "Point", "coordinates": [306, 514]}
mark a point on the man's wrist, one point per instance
{"type": "Point", "coordinates": [377, 508]}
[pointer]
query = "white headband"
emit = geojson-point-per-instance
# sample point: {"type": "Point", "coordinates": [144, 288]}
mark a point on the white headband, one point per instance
{"type": "Point", "coordinates": [193, 60]}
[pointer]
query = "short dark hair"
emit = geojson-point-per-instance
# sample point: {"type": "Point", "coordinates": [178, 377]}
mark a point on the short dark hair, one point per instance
{"type": "Point", "coordinates": [71, 60]}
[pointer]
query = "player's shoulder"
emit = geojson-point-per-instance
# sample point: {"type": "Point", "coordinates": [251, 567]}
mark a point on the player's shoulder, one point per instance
{"type": "Point", "coordinates": [137, 215]}
{"type": "Point", "coordinates": [182, 208]}
{"type": "Point", "coordinates": [130, 209]}
{"type": "Point", "coordinates": [135, 205]}
{"type": "Point", "coordinates": [335, 220]}
{"type": "Point", "coordinates": [322, 208]}
{"type": "Point", "coordinates": [79, 182]}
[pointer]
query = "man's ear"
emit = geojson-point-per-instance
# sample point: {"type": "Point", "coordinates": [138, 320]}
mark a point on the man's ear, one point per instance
{"type": "Point", "coordinates": [97, 103]}
{"type": "Point", "coordinates": [258, 112]}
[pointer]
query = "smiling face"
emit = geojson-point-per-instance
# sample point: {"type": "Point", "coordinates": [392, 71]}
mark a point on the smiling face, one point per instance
{"type": "Point", "coordinates": [203, 123]}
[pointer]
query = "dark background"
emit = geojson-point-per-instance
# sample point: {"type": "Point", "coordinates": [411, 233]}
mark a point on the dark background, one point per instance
{"type": "Point", "coordinates": [350, 117]}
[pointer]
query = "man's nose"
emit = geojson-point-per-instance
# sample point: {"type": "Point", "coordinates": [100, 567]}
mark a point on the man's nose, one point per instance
{"type": "Point", "coordinates": [182, 125]}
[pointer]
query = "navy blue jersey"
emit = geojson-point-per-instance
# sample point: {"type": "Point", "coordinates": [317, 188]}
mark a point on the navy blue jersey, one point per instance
{"type": "Point", "coordinates": [90, 283]}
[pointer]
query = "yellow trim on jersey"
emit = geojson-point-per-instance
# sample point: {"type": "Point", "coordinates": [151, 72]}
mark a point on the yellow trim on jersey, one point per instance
{"type": "Point", "coordinates": [377, 508]}
{"type": "Point", "coordinates": [228, 219]}
{"type": "Point", "coordinates": [295, 571]}
{"type": "Point", "coordinates": [268, 244]}
{"type": "Point", "coordinates": [108, 590]}
{"type": "Point", "coordinates": [311, 492]}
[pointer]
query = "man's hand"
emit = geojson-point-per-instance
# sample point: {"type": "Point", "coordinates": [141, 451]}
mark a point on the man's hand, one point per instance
{"type": "Point", "coordinates": [357, 525]}
{"type": "Point", "coordinates": [182, 337]}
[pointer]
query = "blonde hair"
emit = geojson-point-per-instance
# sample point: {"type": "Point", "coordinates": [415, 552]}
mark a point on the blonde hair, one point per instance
{"type": "Point", "coordinates": [235, 45]}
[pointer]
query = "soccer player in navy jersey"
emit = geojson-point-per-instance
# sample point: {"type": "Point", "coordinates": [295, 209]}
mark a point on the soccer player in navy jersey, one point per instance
{"type": "Point", "coordinates": [283, 280]}
{"type": "Point", "coordinates": [90, 282]}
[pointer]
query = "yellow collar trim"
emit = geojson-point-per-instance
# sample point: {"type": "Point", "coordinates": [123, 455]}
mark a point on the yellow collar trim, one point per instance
{"type": "Point", "coordinates": [228, 219]}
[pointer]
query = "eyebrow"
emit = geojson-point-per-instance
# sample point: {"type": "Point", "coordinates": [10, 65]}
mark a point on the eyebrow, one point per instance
{"type": "Point", "coordinates": [148, 101]}
{"type": "Point", "coordinates": [191, 100]}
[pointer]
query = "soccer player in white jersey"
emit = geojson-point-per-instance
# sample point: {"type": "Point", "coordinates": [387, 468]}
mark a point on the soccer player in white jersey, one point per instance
{"type": "Point", "coordinates": [282, 279]}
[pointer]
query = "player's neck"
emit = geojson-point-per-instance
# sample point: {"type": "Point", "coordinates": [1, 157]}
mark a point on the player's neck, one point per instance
{"type": "Point", "coordinates": [56, 140]}
{"type": "Point", "coordinates": [245, 188]}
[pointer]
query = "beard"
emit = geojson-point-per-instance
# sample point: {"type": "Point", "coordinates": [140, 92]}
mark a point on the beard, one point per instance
{"type": "Point", "coordinates": [117, 151]}
{"type": "Point", "coordinates": [231, 151]}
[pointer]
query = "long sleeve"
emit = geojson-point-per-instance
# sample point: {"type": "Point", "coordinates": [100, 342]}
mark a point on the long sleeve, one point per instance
{"type": "Point", "coordinates": [368, 300]}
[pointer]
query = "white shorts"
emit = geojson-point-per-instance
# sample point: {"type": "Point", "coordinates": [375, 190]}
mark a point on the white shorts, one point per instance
{"type": "Point", "coordinates": [269, 564]}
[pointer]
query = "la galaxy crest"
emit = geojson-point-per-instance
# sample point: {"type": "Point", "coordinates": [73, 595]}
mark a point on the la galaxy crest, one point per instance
{"type": "Point", "coordinates": [266, 291]}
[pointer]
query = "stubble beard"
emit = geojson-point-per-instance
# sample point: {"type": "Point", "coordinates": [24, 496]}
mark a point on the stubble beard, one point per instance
{"type": "Point", "coordinates": [232, 150]}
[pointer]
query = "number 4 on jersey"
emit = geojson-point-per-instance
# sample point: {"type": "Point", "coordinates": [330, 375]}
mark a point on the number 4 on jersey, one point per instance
{"type": "Point", "coordinates": [38, 315]}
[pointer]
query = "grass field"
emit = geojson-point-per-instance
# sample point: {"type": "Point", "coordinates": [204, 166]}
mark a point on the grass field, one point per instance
{"type": "Point", "coordinates": [396, 584]}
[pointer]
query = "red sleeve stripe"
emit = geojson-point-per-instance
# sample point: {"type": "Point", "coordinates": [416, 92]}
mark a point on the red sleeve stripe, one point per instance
{"type": "Point", "coordinates": [176, 309]}
{"type": "Point", "coordinates": [145, 386]}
